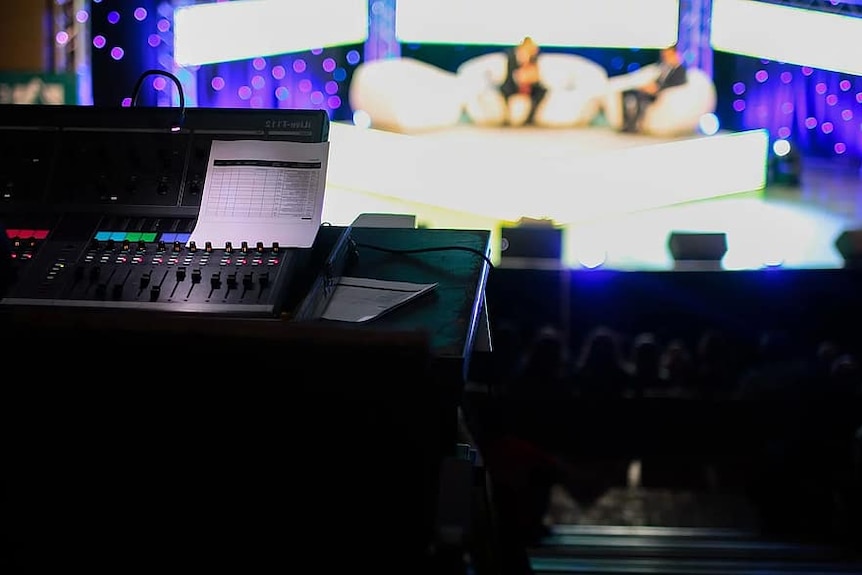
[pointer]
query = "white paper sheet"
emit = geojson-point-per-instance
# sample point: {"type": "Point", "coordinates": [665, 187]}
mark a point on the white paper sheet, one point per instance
{"type": "Point", "coordinates": [362, 299]}
{"type": "Point", "coordinates": [262, 191]}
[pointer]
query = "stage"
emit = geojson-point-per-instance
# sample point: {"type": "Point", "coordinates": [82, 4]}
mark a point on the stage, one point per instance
{"type": "Point", "coordinates": [616, 196]}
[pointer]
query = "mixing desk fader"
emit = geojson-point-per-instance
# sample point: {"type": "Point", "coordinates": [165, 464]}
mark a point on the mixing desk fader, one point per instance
{"type": "Point", "coordinates": [97, 206]}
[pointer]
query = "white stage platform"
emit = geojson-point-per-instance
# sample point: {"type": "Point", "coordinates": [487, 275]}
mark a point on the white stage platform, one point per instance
{"type": "Point", "coordinates": [569, 176]}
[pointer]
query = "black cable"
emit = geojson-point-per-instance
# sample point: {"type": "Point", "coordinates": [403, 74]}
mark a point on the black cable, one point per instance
{"type": "Point", "coordinates": [434, 249]}
{"type": "Point", "coordinates": [175, 127]}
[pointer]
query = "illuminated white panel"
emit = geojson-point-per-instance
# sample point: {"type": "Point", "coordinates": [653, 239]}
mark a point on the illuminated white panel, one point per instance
{"type": "Point", "coordinates": [786, 34]}
{"type": "Point", "coordinates": [226, 31]}
{"type": "Point", "coordinates": [575, 176]}
{"type": "Point", "coordinates": [606, 23]}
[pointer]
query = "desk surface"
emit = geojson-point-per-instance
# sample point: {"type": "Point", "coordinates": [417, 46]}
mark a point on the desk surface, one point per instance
{"type": "Point", "coordinates": [449, 314]}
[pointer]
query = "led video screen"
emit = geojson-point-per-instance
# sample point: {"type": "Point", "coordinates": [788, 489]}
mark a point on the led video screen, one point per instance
{"type": "Point", "coordinates": [229, 31]}
{"type": "Point", "coordinates": [806, 37]}
{"type": "Point", "coordinates": [576, 23]}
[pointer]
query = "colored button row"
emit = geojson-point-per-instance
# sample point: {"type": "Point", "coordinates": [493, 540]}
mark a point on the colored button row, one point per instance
{"type": "Point", "coordinates": [27, 234]}
{"type": "Point", "coordinates": [148, 237]}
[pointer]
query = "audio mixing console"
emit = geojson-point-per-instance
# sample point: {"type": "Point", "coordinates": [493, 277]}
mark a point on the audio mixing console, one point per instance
{"type": "Point", "coordinates": [98, 206]}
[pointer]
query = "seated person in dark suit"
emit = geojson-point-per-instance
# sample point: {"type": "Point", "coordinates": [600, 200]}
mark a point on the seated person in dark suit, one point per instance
{"type": "Point", "coordinates": [522, 86]}
{"type": "Point", "coordinates": [635, 102]}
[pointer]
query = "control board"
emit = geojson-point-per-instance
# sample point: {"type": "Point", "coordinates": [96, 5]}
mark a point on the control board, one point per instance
{"type": "Point", "coordinates": [98, 205]}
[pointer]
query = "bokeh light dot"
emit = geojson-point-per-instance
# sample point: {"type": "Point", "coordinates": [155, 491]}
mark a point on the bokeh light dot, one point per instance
{"type": "Point", "coordinates": [709, 124]}
{"type": "Point", "coordinates": [100, 42]}
{"type": "Point", "coordinates": [845, 85]}
{"type": "Point", "coordinates": [256, 102]}
{"type": "Point", "coordinates": [305, 85]}
{"type": "Point", "coordinates": [847, 115]}
{"type": "Point", "coordinates": [807, 71]}
{"type": "Point", "coordinates": [164, 25]}
{"type": "Point", "coordinates": [353, 57]}
{"type": "Point", "coordinates": [331, 87]}
{"type": "Point", "coordinates": [317, 97]}
{"type": "Point", "coordinates": [786, 77]}
{"type": "Point", "coordinates": [278, 72]}
{"type": "Point", "coordinates": [258, 82]}
{"type": "Point", "coordinates": [334, 102]}
{"type": "Point", "coordinates": [859, 97]}
{"type": "Point", "coordinates": [82, 16]}
{"type": "Point", "coordinates": [299, 65]}
{"type": "Point", "coordinates": [826, 127]}
{"type": "Point", "coordinates": [361, 118]}
{"type": "Point", "coordinates": [617, 62]}
{"type": "Point", "coordinates": [810, 123]}
{"type": "Point", "coordinates": [781, 147]}
{"type": "Point", "coordinates": [62, 38]}
{"type": "Point", "coordinates": [217, 83]}
{"type": "Point", "coordinates": [831, 99]}
{"type": "Point", "coordinates": [840, 147]}
{"type": "Point", "coordinates": [113, 17]}
{"type": "Point", "coordinates": [126, 103]}
{"type": "Point", "coordinates": [159, 83]}
{"type": "Point", "coordinates": [339, 75]}
{"type": "Point", "coordinates": [258, 64]}
{"type": "Point", "coordinates": [117, 53]}
{"type": "Point", "coordinates": [820, 88]}
{"type": "Point", "coordinates": [317, 51]}
{"type": "Point", "coordinates": [378, 7]}
{"type": "Point", "coordinates": [783, 132]}
{"type": "Point", "coordinates": [282, 93]}
{"type": "Point", "coordinates": [328, 65]}
{"type": "Point", "coordinates": [154, 40]}
{"type": "Point", "coordinates": [244, 92]}
{"type": "Point", "coordinates": [140, 14]}
{"type": "Point", "coordinates": [738, 88]}
{"type": "Point", "coordinates": [739, 105]}
{"type": "Point", "coordinates": [761, 76]}
{"type": "Point", "coordinates": [787, 107]}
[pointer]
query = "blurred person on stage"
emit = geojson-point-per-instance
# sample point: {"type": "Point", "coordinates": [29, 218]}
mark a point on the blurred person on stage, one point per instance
{"type": "Point", "coordinates": [672, 72]}
{"type": "Point", "coordinates": [522, 88]}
